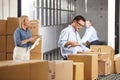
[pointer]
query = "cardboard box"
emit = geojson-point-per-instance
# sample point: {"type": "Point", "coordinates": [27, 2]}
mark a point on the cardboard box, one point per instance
{"type": "Point", "coordinates": [3, 27]}
{"type": "Point", "coordinates": [3, 72]}
{"type": "Point", "coordinates": [3, 44]}
{"type": "Point", "coordinates": [60, 70]}
{"type": "Point", "coordinates": [10, 43]}
{"type": "Point", "coordinates": [35, 27]}
{"type": "Point", "coordinates": [101, 55]}
{"type": "Point", "coordinates": [38, 48]}
{"type": "Point", "coordinates": [2, 56]}
{"type": "Point", "coordinates": [64, 70]}
{"type": "Point", "coordinates": [13, 71]}
{"type": "Point", "coordinates": [78, 71]}
{"type": "Point", "coordinates": [104, 67]}
{"type": "Point", "coordinates": [36, 53]}
{"type": "Point", "coordinates": [39, 70]}
{"type": "Point", "coordinates": [35, 56]}
{"type": "Point", "coordinates": [90, 64]}
{"type": "Point", "coordinates": [51, 66]}
{"type": "Point", "coordinates": [24, 70]}
{"type": "Point", "coordinates": [12, 24]}
{"type": "Point", "coordinates": [117, 63]}
{"type": "Point", "coordinates": [105, 49]}
{"type": "Point", "coordinates": [18, 72]}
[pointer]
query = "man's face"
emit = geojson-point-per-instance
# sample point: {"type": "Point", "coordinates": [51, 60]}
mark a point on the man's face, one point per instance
{"type": "Point", "coordinates": [79, 25]}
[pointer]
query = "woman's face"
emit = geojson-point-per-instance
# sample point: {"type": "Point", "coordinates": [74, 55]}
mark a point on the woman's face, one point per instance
{"type": "Point", "coordinates": [26, 22]}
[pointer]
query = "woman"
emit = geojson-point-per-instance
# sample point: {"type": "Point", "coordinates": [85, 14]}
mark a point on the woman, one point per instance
{"type": "Point", "coordinates": [23, 40]}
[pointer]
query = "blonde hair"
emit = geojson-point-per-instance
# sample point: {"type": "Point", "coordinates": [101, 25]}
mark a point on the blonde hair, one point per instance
{"type": "Point", "coordinates": [21, 20]}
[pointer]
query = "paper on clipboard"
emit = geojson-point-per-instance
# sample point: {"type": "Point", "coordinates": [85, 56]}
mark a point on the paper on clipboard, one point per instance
{"type": "Point", "coordinates": [33, 46]}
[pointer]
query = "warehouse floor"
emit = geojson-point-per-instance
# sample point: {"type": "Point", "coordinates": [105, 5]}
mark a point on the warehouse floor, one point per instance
{"type": "Point", "coordinates": [110, 77]}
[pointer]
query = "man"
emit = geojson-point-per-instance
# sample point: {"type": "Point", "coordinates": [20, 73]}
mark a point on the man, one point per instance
{"type": "Point", "coordinates": [90, 35]}
{"type": "Point", "coordinates": [69, 40]}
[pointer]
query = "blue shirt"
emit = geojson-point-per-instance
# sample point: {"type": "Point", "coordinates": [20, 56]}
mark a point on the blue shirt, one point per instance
{"type": "Point", "coordinates": [69, 34]}
{"type": "Point", "coordinates": [90, 35]}
{"type": "Point", "coordinates": [21, 34]}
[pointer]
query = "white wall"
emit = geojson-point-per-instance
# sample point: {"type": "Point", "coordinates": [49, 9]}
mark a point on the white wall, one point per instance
{"type": "Point", "coordinates": [8, 8]}
{"type": "Point", "coordinates": [111, 23]}
{"type": "Point", "coordinates": [50, 37]}
{"type": "Point", "coordinates": [27, 8]}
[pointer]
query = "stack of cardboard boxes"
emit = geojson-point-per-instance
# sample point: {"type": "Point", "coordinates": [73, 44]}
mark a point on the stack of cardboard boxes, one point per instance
{"type": "Point", "coordinates": [7, 28]}
{"type": "Point", "coordinates": [105, 59]}
{"type": "Point", "coordinates": [3, 39]}
{"type": "Point", "coordinates": [12, 24]}
{"type": "Point", "coordinates": [117, 63]}
{"type": "Point", "coordinates": [36, 53]}
{"type": "Point", "coordinates": [90, 64]}
{"type": "Point", "coordinates": [36, 70]}
{"type": "Point", "coordinates": [99, 62]}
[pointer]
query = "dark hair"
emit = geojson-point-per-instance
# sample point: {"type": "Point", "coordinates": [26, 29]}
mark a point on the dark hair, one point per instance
{"type": "Point", "coordinates": [78, 17]}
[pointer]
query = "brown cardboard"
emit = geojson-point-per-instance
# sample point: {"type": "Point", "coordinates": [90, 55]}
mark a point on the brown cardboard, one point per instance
{"type": "Point", "coordinates": [103, 56]}
{"type": "Point", "coordinates": [9, 56]}
{"type": "Point", "coordinates": [34, 28]}
{"type": "Point", "coordinates": [90, 64]}
{"type": "Point", "coordinates": [105, 49]}
{"type": "Point", "coordinates": [3, 27]}
{"type": "Point", "coordinates": [117, 63]}
{"type": "Point", "coordinates": [78, 71]}
{"type": "Point", "coordinates": [2, 44]}
{"type": "Point", "coordinates": [18, 72]}
{"type": "Point", "coordinates": [35, 55]}
{"type": "Point", "coordinates": [51, 70]}
{"type": "Point", "coordinates": [10, 43]}
{"type": "Point", "coordinates": [64, 70]}
{"type": "Point", "coordinates": [3, 72]}
{"type": "Point", "coordinates": [12, 24]}
{"type": "Point", "coordinates": [13, 71]}
{"type": "Point", "coordinates": [24, 70]}
{"type": "Point", "coordinates": [37, 48]}
{"type": "Point", "coordinates": [104, 67]}
{"type": "Point", "coordinates": [39, 70]}
{"type": "Point", "coordinates": [2, 56]}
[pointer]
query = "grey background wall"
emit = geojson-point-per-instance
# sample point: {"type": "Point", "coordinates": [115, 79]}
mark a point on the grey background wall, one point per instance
{"type": "Point", "coordinates": [50, 37]}
{"type": "Point", "coordinates": [97, 12]}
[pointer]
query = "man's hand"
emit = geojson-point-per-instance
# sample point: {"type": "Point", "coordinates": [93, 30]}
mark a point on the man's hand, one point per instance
{"type": "Point", "coordinates": [72, 43]}
{"type": "Point", "coordinates": [90, 50]}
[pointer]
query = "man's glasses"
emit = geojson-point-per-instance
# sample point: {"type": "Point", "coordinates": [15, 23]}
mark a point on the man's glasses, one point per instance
{"type": "Point", "coordinates": [79, 24]}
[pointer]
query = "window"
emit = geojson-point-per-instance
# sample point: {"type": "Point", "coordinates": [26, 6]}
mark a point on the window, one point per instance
{"type": "Point", "coordinates": [55, 12]}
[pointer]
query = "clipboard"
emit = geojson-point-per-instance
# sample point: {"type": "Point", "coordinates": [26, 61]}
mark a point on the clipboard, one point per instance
{"type": "Point", "coordinates": [33, 46]}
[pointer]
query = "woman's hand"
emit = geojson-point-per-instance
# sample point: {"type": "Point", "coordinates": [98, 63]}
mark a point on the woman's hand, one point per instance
{"type": "Point", "coordinates": [32, 39]}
